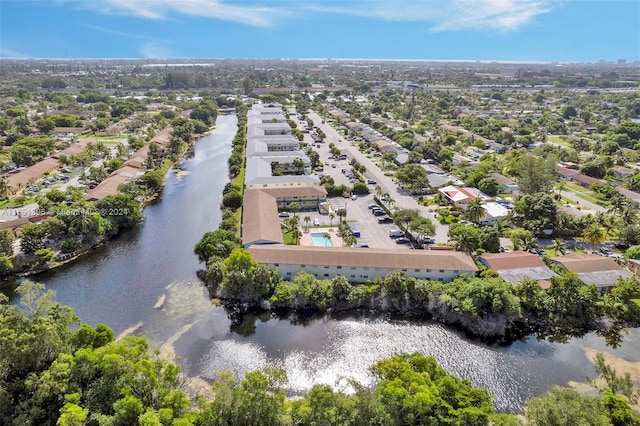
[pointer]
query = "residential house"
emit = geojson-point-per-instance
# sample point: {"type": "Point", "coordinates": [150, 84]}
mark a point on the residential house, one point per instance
{"type": "Point", "coordinates": [515, 266]}
{"type": "Point", "coordinates": [459, 197]}
{"type": "Point", "coordinates": [603, 272]}
{"type": "Point", "coordinates": [586, 181]}
{"type": "Point", "coordinates": [494, 212]}
{"type": "Point", "coordinates": [506, 184]}
{"type": "Point", "coordinates": [566, 173]}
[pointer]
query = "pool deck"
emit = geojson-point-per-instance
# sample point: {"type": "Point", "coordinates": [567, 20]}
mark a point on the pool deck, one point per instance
{"type": "Point", "coordinates": [305, 240]}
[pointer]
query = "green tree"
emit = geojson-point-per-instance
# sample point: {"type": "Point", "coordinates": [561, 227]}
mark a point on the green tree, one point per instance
{"type": "Point", "coordinates": [6, 242]}
{"type": "Point", "coordinates": [536, 174]}
{"type": "Point", "coordinates": [414, 389]}
{"type": "Point", "coordinates": [465, 238]}
{"type": "Point", "coordinates": [565, 407]}
{"type": "Point", "coordinates": [45, 255]}
{"type": "Point", "coordinates": [216, 243]}
{"type": "Point", "coordinates": [32, 238]}
{"type": "Point", "coordinates": [6, 266]}
{"type": "Point", "coordinates": [489, 186]}
{"type": "Point", "coordinates": [475, 212]}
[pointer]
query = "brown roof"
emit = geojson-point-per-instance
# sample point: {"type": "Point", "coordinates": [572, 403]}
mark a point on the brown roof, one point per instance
{"type": "Point", "coordinates": [260, 221]}
{"type": "Point", "coordinates": [566, 171]}
{"type": "Point", "coordinates": [75, 148]}
{"type": "Point", "coordinates": [296, 191]}
{"type": "Point", "coordinates": [32, 173]}
{"type": "Point", "coordinates": [512, 260]}
{"type": "Point", "coordinates": [373, 258]}
{"type": "Point", "coordinates": [586, 179]}
{"type": "Point", "coordinates": [502, 179]}
{"type": "Point", "coordinates": [107, 187]}
{"type": "Point", "coordinates": [163, 136]}
{"type": "Point", "coordinates": [586, 263]}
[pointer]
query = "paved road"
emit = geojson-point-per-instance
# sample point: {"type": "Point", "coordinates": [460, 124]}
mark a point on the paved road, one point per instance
{"type": "Point", "coordinates": [587, 206]}
{"type": "Point", "coordinates": [402, 200]}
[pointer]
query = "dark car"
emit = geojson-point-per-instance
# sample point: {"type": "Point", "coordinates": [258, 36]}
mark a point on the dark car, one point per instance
{"type": "Point", "coordinates": [402, 240]}
{"type": "Point", "coordinates": [385, 219]}
{"type": "Point", "coordinates": [378, 213]}
{"type": "Point", "coordinates": [355, 234]}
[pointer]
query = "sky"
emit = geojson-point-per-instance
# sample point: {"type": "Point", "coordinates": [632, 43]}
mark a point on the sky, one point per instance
{"type": "Point", "coordinates": [502, 30]}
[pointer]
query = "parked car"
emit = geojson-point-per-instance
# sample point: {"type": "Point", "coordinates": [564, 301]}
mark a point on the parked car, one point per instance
{"type": "Point", "coordinates": [373, 206]}
{"type": "Point", "coordinates": [385, 219]}
{"type": "Point", "coordinates": [355, 234]}
{"type": "Point", "coordinates": [378, 213]}
{"type": "Point", "coordinates": [316, 222]}
{"type": "Point", "coordinates": [362, 245]}
{"type": "Point", "coordinates": [371, 181]}
{"type": "Point", "coordinates": [606, 251]}
{"type": "Point", "coordinates": [427, 240]}
{"type": "Point", "coordinates": [283, 214]}
{"type": "Point", "coordinates": [402, 240]}
{"type": "Point", "coordinates": [396, 233]}
{"type": "Point", "coordinates": [66, 170]}
{"type": "Point", "coordinates": [354, 197]}
{"type": "Point", "coordinates": [62, 177]}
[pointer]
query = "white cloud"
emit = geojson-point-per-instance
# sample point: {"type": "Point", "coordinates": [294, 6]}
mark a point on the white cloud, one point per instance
{"type": "Point", "coordinates": [248, 13]}
{"type": "Point", "coordinates": [10, 53]}
{"type": "Point", "coordinates": [119, 33]}
{"type": "Point", "coordinates": [444, 15]}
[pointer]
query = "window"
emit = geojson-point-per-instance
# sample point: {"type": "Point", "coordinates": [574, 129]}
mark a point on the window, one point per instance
{"type": "Point", "coordinates": [404, 270]}
{"type": "Point", "coordinates": [326, 275]}
{"type": "Point", "coordinates": [353, 268]}
{"type": "Point", "coordinates": [288, 273]}
{"type": "Point", "coordinates": [339, 267]}
{"type": "Point", "coordinates": [416, 270]}
{"type": "Point", "coordinates": [428, 271]}
{"type": "Point", "coordinates": [442, 271]}
{"type": "Point", "coordinates": [276, 264]}
{"type": "Point", "coordinates": [302, 266]}
{"type": "Point", "coordinates": [353, 276]}
{"type": "Point", "coordinates": [326, 267]}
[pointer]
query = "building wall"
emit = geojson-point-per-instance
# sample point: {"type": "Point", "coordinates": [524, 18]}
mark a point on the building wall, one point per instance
{"type": "Point", "coordinates": [360, 274]}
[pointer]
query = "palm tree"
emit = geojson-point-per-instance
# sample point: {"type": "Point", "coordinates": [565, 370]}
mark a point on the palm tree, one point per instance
{"type": "Point", "coordinates": [465, 243]}
{"type": "Point", "coordinates": [294, 207]}
{"type": "Point", "coordinates": [331, 217]}
{"type": "Point", "coordinates": [295, 235]}
{"type": "Point", "coordinates": [629, 214]}
{"type": "Point", "coordinates": [327, 238]}
{"type": "Point", "coordinates": [593, 234]}
{"type": "Point", "coordinates": [378, 191]}
{"type": "Point", "coordinates": [342, 213]}
{"type": "Point", "coordinates": [5, 188]}
{"type": "Point", "coordinates": [307, 220]}
{"type": "Point", "coordinates": [350, 241]}
{"type": "Point", "coordinates": [475, 212]}
{"type": "Point", "coordinates": [558, 246]}
{"type": "Point", "coordinates": [618, 203]}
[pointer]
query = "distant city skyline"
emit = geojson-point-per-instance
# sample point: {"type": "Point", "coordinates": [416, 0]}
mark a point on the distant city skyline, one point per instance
{"type": "Point", "coordinates": [455, 30]}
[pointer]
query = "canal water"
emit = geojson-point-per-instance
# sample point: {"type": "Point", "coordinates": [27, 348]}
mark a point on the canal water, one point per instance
{"type": "Point", "coordinates": [145, 283]}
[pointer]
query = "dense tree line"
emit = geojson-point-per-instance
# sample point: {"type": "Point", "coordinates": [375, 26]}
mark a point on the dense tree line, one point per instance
{"type": "Point", "coordinates": [56, 371]}
{"type": "Point", "coordinates": [485, 306]}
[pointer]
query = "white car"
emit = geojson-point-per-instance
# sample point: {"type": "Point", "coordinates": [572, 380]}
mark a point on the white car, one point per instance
{"type": "Point", "coordinates": [316, 222]}
{"type": "Point", "coordinates": [354, 197]}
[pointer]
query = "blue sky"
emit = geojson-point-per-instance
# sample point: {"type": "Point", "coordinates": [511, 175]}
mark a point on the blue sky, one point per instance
{"type": "Point", "coordinates": [519, 30]}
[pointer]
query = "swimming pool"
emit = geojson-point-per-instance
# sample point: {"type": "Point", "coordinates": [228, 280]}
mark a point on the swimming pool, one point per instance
{"type": "Point", "coordinates": [320, 241]}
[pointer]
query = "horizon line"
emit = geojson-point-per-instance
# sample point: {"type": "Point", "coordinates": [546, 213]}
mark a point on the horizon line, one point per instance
{"type": "Point", "coordinates": [329, 59]}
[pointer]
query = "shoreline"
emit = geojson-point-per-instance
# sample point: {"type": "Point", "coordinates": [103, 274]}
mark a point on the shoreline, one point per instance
{"type": "Point", "coordinates": [175, 167]}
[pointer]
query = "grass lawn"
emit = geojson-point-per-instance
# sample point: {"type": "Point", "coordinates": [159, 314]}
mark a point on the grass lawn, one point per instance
{"type": "Point", "coordinates": [636, 301]}
{"type": "Point", "coordinates": [559, 140]}
{"type": "Point", "coordinates": [11, 202]}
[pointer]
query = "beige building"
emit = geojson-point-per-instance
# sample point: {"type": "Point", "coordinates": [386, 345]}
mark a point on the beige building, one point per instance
{"type": "Point", "coordinates": [362, 265]}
